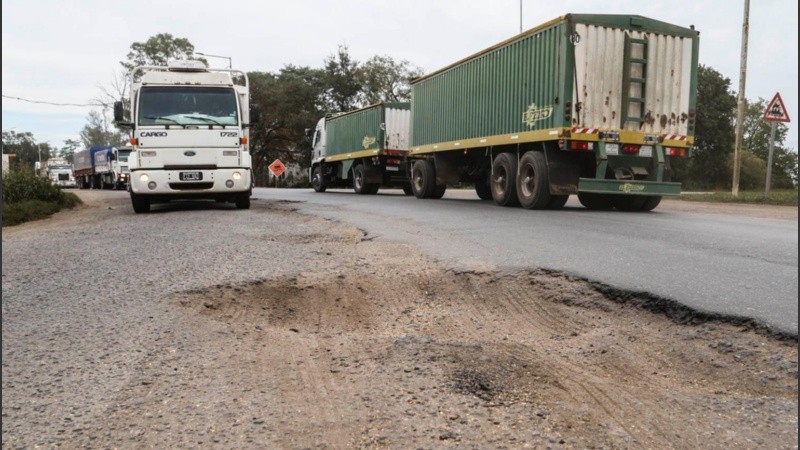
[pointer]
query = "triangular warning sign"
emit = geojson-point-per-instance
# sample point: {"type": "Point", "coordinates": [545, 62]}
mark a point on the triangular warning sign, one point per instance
{"type": "Point", "coordinates": [776, 111]}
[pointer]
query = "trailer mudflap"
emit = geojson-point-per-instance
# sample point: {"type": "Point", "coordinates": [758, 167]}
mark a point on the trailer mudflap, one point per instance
{"type": "Point", "coordinates": [630, 187]}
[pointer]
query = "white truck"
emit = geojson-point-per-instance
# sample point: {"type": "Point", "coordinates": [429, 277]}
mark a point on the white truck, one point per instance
{"type": "Point", "coordinates": [189, 134]}
{"type": "Point", "coordinates": [58, 171]}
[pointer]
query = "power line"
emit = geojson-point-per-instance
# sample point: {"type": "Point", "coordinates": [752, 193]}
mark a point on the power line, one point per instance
{"type": "Point", "coordinates": [52, 103]}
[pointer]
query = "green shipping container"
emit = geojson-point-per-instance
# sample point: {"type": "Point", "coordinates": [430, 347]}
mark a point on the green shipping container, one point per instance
{"type": "Point", "coordinates": [582, 74]}
{"type": "Point", "coordinates": [365, 132]}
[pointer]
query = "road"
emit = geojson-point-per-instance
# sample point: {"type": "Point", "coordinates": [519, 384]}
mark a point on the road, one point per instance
{"type": "Point", "coordinates": [729, 264]}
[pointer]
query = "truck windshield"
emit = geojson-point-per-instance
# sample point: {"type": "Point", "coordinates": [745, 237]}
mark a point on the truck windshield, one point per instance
{"type": "Point", "coordinates": [123, 155]}
{"type": "Point", "coordinates": [187, 106]}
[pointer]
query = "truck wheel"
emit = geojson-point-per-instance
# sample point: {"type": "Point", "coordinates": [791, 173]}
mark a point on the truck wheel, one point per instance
{"type": "Point", "coordinates": [360, 180]}
{"type": "Point", "coordinates": [317, 180]}
{"type": "Point", "coordinates": [483, 189]}
{"type": "Point", "coordinates": [423, 178]}
{"type": "Point", "coordinates": [533, 183]}
{"type": "Point", "coordinates": [595, 201]}
{"type": "Point", "coordinates": [504, 180]}
{"type": "Point", "coordinates": [407, 189]}
{"type": "Point", "coordinates": [243, 200]}
{"type": "Point", "coordinates": [438, 192]}
{"type": "Point", "coordinates": [140, 203]}
{"type": "Point", "coordinates": [629, 203]}
{"type": "Point", "coordinates": [557, 201]}
{"type": "Point", "coordinates": [373, 188]}
{"type": "Point", "coordinates": [651, 202]}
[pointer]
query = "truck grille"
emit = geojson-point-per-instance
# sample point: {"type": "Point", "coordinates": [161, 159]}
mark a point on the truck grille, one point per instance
{"type": "Point", "coordinates": [191, 186]}
{"type": "Point", "coordinates": [63, 177]}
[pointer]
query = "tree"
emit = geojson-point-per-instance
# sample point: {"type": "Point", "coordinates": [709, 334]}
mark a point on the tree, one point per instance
{"type": "Point", "coordinates": [158, 50]}
{"type": "Point", "coordinates": [343, 82]}
{"type": "Point", "coordinates": [98, 132]}
{"type": "Point", "coordinates": [26, 148]}
{"type": "Point", "coordinates": [387, 80]}
{"type": "Point", "coordinates": [714, 133]}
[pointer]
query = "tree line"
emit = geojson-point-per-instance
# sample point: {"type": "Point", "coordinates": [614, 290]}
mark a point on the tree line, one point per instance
{"type": "Point", "coordinates": [293, 98]}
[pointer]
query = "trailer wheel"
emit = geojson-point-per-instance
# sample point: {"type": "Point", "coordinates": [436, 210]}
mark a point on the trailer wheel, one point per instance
{"type": "Point", "coordinates": [557, 201]}
{"type": "Point", "coordinates": [651, 202]}
{"type": "Point", "coordinates": [595, 201]}
{"type": "Point", "coordinates": [140, 203]}
{"type": "Point", "coordinates": [533, 183]}
{"type": "Point", "coordinates": [360, 185]}
{"type": "Point", "coordinates": [629, 203]}
{"type": "Point", "coordinates": [504, 180]}
{"type": "Point", "coordinates": [317, 180]}
{"type": "Point", "coordinates": [423, 178]}
{"type": "Point", "coordinates": [243, 200]}
{"type": "Point", "coordinates": [483, 189]}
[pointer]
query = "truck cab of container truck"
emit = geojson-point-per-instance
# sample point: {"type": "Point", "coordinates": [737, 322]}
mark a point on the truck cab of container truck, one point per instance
{"type": "Point", "coordinates": [189, 134]}
{"type": "Point", "coordinates": [318, 142]}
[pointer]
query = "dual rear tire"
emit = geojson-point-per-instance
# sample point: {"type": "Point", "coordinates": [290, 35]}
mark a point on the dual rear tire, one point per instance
{"type": "Point", "coordinates": [423, 180]}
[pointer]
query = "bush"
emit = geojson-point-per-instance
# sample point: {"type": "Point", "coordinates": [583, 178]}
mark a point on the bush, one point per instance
{"type": "Point", "coordinates": [27, 197]}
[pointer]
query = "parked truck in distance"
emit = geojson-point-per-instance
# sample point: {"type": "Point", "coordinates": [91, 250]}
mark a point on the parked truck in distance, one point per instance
{"type": "Point", "coordinates": [363, 149]}
{"type": "Point", "coordinates": [102, 167]}
{"type": "Point", "coordinates": [586, 104]}
{"type": "Point", "coordinates": [190, 130]}
{"type": "Point", "coordinates": [58, 170]}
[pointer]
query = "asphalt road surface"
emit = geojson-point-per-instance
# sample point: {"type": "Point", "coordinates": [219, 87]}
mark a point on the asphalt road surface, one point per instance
{"type": "Point", "coordinates": [729, 264]}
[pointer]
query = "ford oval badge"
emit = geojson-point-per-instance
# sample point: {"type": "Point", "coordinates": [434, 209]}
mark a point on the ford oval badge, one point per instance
{"type": "Point", "coordinates": [189, 153]}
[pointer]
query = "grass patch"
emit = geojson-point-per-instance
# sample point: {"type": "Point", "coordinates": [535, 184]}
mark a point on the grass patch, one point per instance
{"type": "Point", "coordinates": [30, 210]}
{"type": "Point", "coordinates": [780, 197]}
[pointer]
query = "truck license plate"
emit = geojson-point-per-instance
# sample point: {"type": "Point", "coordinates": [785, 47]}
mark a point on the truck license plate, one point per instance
{"type": "Point", "coordinates": [612, 149]}
{"type": "Point", "coordinates": [393, 168]}
{"type": "Point", "coordinates": [191, 176]}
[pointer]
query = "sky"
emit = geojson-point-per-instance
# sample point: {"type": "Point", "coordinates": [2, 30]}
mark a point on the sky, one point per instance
{"type": "Point", "coordinates": [65, 53]}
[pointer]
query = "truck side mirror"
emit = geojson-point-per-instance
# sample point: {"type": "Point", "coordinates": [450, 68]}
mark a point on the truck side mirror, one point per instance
{"type": "Point", "coordinates": [255, 114]}
{"type": "Point", "coordinates": [118, 112]}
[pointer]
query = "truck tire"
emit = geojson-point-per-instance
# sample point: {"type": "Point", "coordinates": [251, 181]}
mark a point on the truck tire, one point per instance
{"type": "Point", "coordinates": [140, 203]}
{"type": "Point", "coordinates": [407, 189]}
{"type": "Point", "coordinates": [651, 202]}
{"type": "Point", "coordinates": [557, 201]}
{"type": "Point", "coordinates": [483, 189]}
{"type": "Point", "coordinates": [599, 202]}
{"type": "Point", "coordinates": [533, 183]}
{"type": "Point", "coordinates": [317, 180]}
{"type": "Point", "coordinates": [629, 203]}
{"type": "Point", "coordinates": [423, 178]}
{"type": "Point", "coordinates": [243, 200]}
{"type": "Point", "coordinates": [438, 192]}
{"type": "Point", "coordinates": [360, 185]}
{"type": "Point", "coordinates": [504, 180]}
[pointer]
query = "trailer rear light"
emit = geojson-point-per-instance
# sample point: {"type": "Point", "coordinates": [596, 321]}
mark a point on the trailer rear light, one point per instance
{"type": "Point", "coordinates": [393, 161]}
{"type": "Point", "coordinates": [392, 152]}
{"type": "Point", "coordinates": [676, 152]}
{"type": "Point", "coordinates": [630, 148]}
{"type": "Point", "coordinates": [243, 140]}
{"type": "Point", "coordinates": [581, 145]}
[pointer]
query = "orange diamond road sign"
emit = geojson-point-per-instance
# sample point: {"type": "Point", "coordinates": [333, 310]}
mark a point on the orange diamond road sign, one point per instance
{"type": "Point", "coordinates": [776, 111]}
{"type": "Point", "coordinates": [277, 168]}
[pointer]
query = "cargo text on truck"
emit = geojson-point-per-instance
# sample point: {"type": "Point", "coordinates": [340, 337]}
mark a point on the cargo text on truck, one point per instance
{"type": "Point", "coordinates": [586, 104]}
{"type": "Point", "coordinates": [190, 129]}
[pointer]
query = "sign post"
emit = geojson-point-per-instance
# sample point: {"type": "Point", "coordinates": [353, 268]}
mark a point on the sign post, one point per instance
{"type": "Point", "coordinates": [277, 168]}
{"type": "Point", "coordinates": [775, 112]}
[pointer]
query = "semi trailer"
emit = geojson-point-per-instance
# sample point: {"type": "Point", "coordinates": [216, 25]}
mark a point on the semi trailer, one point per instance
{"type": "Point", "coordinates": [364, 149]}
{"type": "Point", "coordinates": [590, 105]}
{"type": "Point", "coordinates": [189, 134]}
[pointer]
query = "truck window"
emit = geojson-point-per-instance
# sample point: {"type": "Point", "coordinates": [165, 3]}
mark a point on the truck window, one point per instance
{"type": "Point", "coordinates": [187, 106]}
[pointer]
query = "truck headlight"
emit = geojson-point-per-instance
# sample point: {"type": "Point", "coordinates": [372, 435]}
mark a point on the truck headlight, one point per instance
{"type": "Point", "coordinates": [143, 177]}
{"type": "Point", "coordinates": [237, 175]}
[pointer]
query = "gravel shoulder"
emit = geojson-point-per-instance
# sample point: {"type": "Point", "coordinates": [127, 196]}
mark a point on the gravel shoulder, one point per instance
{"type": "Point", "coordinates": [208, 327]}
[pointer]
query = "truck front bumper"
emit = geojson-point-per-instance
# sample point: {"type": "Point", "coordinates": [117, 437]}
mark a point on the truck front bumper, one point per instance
{"type": "Point", "coordinates": [192, 183]}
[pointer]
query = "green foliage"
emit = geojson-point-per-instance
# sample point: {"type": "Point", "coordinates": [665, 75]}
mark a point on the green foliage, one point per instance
{"type": "Point", "coordinates": [387, 80]}
{"type": "Point", "coordinates": [343, 82]}
{"type": "Point", "coordinates": [781, 197]}
{"type": "Point", "coordinates": [158, 50]}
{"type": "Point", "coordinates": [99, 132]}
{"type": "Point", "coordinates": [26, 148]}
{"type": "Point", "coordinates": [27, 197]}
{"type": "Point", "coordinates": [752, 171]}
{"type": "Point", "coordinates": [756, 137]}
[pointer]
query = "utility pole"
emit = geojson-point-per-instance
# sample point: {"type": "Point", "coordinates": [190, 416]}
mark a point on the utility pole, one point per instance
{"type": "Point", "coordinates": [520, 16]}
{"type": "Point", "coordinates": [737, 153]}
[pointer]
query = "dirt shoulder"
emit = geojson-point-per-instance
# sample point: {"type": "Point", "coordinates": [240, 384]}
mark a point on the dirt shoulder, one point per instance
{"type": "Point", "coordinates": [374, 346]}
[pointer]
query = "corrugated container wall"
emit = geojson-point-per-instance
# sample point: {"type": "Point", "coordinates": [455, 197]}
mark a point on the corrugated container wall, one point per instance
{"type": "Point", "coordinates": [365, 129]}
{"type": "Point", "coordinates": [594, 68]}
